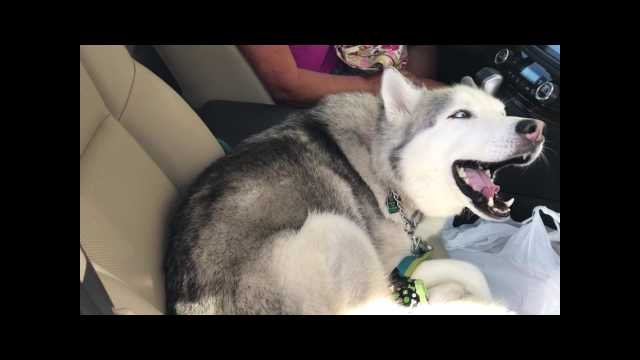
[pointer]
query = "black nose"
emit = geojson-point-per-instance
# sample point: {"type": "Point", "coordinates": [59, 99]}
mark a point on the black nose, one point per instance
{"type": "Point", "coordinates": [526, 126]}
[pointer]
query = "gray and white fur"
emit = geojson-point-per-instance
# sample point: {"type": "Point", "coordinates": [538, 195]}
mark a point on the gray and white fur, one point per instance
{"type": "Point", "coordinates": [294, 220]}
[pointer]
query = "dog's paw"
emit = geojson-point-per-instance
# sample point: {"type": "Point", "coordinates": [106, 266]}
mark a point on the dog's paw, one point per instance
{"type": "Point", "coordinates": [463, 307]}
{"type": "Point", "coordinates": [435, 273]}
{"type": "Point", "coordinates": [466, 306]}
{"type": "Point", "coordinates": [381, 306]}
{"type": "Point", "coordinates": [446, 292]}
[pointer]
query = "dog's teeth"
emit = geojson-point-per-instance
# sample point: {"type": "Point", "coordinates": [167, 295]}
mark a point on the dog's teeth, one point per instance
{"type": "Point", "coordinates": [498, 210]}
{"type": "Point", "coordinates": [524, 157]}
{"type": "Point", "coordinates": [488, 173]}
{"type": "Point", "coordinates": [461, 173]}
{"type": "Point", "coordinates": [490, 202]}
{"type": "Point", "coordinates": [509, 202]}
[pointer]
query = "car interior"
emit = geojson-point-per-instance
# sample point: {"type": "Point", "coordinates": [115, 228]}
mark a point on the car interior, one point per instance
{"type": "Point", "coordinates": [151, 117]}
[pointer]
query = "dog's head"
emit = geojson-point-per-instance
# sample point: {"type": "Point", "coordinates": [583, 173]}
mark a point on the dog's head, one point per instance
{"type": "Point", "coordinates": [445, 146]}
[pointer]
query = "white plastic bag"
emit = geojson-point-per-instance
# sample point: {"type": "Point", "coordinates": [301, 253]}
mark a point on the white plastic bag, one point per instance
{"type": "Point", "coordinates": [519, 261]}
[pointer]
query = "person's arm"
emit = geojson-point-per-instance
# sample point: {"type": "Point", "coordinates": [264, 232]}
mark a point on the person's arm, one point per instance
{"type": "Point", "coordinates": [276, 67]}
{"type": "Point", "coordinates": [422, 61]}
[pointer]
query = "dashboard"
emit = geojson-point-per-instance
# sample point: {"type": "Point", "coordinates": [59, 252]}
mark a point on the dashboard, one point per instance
{"type": "Point", "coordinates": [531, 79]}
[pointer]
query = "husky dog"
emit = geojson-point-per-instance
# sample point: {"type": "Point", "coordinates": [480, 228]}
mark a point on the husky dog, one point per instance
{"type": "Point", "coordinates": [295, 220]}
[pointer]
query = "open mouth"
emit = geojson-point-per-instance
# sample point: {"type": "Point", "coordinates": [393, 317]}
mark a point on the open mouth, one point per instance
{"type": "Point", "coordinates": [475, 180]}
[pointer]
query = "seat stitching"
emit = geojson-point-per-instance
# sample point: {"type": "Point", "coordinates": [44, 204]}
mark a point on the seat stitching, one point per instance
{"type": "Point", "coordinates": [133, 80]}
{"type": "Point", "coordinates": [93, 135]}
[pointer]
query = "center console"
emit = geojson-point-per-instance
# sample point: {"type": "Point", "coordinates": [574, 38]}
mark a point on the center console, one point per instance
{"type": "Point", "coordinates": [530, 80]}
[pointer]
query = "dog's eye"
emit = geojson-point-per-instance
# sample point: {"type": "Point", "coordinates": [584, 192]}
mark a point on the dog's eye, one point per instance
{"type": "Point", "coordinates": [460, 114]}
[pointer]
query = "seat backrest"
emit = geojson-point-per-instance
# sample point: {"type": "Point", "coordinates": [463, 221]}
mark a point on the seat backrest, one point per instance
{"type": "Point", "coordinates": [141, 145]}
{"type": "Point", "coordinates": [213, 72]}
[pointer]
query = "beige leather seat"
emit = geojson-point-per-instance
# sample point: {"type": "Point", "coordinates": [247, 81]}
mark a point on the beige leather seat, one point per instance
{"type": "Point", "coordinates": [213, 72]}
{"type": "Point", "coordinates": [140, 147]}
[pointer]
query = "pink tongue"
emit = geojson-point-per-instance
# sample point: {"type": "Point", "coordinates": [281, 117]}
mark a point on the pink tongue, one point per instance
{"type": "Point", "coordinates": [479, 181]}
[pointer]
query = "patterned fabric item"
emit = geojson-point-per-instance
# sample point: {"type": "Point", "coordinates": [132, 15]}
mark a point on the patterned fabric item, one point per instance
{"type": "Point", "coordinates": [373, 58]}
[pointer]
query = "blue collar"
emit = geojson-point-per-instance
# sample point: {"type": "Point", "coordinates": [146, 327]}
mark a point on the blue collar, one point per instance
{"type": "Point", "coordinates": [408, 265]}
{"type": "Point", "coordinates": [407, 291]}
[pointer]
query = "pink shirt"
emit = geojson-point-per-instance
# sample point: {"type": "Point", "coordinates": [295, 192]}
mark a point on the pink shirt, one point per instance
{"type": "Point", "coordinates": [320, 58]}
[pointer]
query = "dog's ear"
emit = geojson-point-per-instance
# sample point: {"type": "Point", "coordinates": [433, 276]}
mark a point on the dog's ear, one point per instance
{"type": "Point", "coordinates": [468, 80]}
{"type": "Point", "coordinates": [399, 95]}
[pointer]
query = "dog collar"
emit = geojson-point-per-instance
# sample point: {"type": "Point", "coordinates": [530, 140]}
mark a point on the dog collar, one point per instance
{"type": "Point", "coordinates": [394, 205]}
{"type": "Point", "coordinates": [405, 290]}
{"type": "Point", "coordinates": [408, 265]}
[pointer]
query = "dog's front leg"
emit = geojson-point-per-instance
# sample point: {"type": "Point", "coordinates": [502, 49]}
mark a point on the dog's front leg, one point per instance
{"type": "Point", "coordinates": [435, 273]}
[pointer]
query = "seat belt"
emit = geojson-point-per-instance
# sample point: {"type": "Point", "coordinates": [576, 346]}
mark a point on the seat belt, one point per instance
{"type": "Point", "coordinates": [94, 299]}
